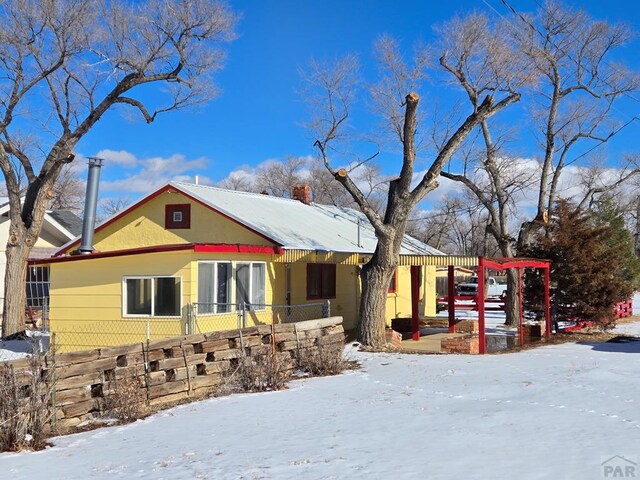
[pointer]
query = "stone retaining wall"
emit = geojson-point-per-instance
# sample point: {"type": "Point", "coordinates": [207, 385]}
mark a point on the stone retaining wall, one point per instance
{"type": "Point", "coordinates": [170, 369]}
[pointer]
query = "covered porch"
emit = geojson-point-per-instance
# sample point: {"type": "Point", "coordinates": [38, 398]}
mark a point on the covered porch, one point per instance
{"type": "Point", "coordinates": [462, 332]}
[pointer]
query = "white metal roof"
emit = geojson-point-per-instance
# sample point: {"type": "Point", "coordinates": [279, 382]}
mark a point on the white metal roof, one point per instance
{"type": "Point", "coordinates": [295, 225]}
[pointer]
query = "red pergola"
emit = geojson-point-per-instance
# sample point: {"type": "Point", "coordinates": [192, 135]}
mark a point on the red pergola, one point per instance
{"type": "Point", "coordinates": [484, 263]}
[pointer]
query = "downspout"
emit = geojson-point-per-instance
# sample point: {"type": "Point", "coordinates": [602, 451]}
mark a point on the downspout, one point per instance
{"type": "Point", "coordinates": [90, 206]}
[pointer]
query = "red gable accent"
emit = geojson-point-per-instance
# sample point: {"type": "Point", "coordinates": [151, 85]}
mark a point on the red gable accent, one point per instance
{"type": "Point", "coordinates": [150, 197]}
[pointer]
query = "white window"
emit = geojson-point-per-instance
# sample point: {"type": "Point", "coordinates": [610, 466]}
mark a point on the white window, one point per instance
{"type": "Point", "coordinates": [250, 284]}
{"type": "Point", "coordinates": [214, 287]}
{"type": "Point", "coordinates": [177, 217]}
{"type": "Point", "coordinates": [159, 296]}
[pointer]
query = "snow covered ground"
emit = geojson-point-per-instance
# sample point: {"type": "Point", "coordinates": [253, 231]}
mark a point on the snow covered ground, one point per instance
{"type": "Point", "coordinates": [550, 412]}
{"type": "Point", "coordinates": [13, 349]}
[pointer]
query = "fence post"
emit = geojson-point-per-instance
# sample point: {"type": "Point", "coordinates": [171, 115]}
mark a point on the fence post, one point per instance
{"type": "Point", "coordinates": [45, 314]}
{"type": "Point", "coordinates": [326, 309]}
{"type": "Point", "coordinates": [52, 353]}
{"type": "Point", "coordinates": [244, 314]}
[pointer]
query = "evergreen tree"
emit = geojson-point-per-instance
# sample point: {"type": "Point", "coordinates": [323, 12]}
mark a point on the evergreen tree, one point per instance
{"type": "Point", "coordinates": [593, 262]}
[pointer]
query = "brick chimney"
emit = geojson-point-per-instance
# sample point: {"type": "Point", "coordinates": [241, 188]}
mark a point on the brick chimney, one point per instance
{"type": "Point", "coordinates": [302, 193]}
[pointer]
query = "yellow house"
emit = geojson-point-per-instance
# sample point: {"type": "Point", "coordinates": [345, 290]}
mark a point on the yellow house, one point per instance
{"type": "Point", "coordinates": [196, 258]}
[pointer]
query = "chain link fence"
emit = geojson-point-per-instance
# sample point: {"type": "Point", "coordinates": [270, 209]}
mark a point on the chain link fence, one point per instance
{"type": "Point", "coordinates": [208, 317]}
{"type": "Point", "coordinates": [68, 336]}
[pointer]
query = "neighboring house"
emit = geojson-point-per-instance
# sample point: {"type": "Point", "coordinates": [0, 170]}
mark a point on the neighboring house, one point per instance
{"type": "Point", "coordinates": [186, 244]}
{"type": "Point", "coordinates": [58, 228]}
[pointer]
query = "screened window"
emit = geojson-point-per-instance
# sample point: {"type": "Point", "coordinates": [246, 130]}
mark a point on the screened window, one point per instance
{"type": "Point", "coordinates": [152, 296]}
{"type": "Point", "coordinates": [37, 286]}
{"type": "Point", "coordinates": [321, 281]}
{"type": "Point", "coordinates": [251, 284]}
{"type": "Point", "coordinates": [214, 287]}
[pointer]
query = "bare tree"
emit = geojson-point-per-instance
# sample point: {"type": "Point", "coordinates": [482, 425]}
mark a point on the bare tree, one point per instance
{"type": "Point", "coordinates": [278, 177]}
{"type": "Point", "coordinates": [458, 226]}
{"type": "Point", "coordinates": [563, 53]}
{"type": "Point", "coordinates": [65, 63]}
{"type": "Point", "coordinates": [578, 86]}
{"type": "Point", "coordinates": [331, 97]}
{"type": "Point", "coordinates": [238, 180]}
{"type": "Point", "coordinates": [109, 207]}
{"type": "Point", "coordinates": [68, 191]}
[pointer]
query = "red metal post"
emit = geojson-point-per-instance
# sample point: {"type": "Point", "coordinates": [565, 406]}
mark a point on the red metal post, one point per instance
{"type": "Point", "coordinates": [547, 302]}
{"type": "Point", "coordinates": [480, 300]}
{"type": "Point", "coordinates": [451, 297]}
{"type": "Point", "coordinates": [520, 308]}
{"type": "Point", "coordinates": [415, 302]}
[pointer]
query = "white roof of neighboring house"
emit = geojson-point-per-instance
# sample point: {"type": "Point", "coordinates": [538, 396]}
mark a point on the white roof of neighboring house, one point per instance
{"type": "Point", "coordinates": [295, 225]}
{"type": "Point", "coordinates": [63, 224]}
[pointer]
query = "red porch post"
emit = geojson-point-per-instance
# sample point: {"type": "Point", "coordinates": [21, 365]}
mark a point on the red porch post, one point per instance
{"type": "Point", "coordinates": [480, 300]}
{"type": "Point", "coordinates": [520, 308]}
{"type": "Point", "coordinates": [547, 302]}
{"type": "Point", "coordinates": [451, 298]}
{"type": "Point", "coordinates": [415, 302]}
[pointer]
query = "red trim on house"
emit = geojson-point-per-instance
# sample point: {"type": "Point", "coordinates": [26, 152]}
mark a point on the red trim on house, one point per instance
{"type": "Point", "coordinates": [196, 247]}
{"type": "Point", "coordinates": [150, 197]}
{"type": "Point", "coordinates": [223, 248]}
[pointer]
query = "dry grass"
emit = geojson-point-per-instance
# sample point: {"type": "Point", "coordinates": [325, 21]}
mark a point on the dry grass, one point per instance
{"type": "Point", "coordinates": [324, 360]}
{"type": "Point", "coordinates": [260, 374]}
{"type": "Point", "coordinates": [127, 402]}
{"type": "Point", "coordinates": [25, 406]}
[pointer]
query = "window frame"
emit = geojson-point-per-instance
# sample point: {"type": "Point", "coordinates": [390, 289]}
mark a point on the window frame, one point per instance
{"type": "Point", "coordinates": [125, 314]}
{"type": "Point", "coordinates": [231, 299]}
{"type": "Point", "coordinates": [323, 268]}
{"type": "Point", "coordinates": [172, 208]}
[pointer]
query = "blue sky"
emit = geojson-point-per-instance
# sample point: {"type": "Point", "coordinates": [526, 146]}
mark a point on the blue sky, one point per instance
{"type": "Point", "coordinates": [258, 114]}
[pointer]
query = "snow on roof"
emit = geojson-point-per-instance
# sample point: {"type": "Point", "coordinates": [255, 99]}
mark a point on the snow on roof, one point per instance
{"type": "Point", "coordinates": [295, 225]}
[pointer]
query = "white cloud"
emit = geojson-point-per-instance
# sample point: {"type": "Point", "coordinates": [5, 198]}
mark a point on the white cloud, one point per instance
{"type": "Point", "coordinates": [156, 171]}
{"type": "Point", "coordinates": [118, 157]}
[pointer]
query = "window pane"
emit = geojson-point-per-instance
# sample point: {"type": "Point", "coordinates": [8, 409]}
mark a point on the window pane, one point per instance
{"type": "Point", "coordinates": [223, 293]}
{"type": "Point", "coordinates": [167, 297]}
{"type": "Point", "coordinates": [205, 288]}
{"type": "Point", "coordinates": [258, 284]}
{"type": "Point", "coordinates": [328, 281]}
{"type": "Point", "coordinates": [138, 296]}
{"type": "Point", "coordinates": [242, 283]}
{"type": "Point", "coordinates": [313, 280]}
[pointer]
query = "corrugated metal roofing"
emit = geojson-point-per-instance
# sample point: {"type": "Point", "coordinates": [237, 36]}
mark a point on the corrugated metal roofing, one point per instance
{"type": "Point", "coordinates": [295, 225]}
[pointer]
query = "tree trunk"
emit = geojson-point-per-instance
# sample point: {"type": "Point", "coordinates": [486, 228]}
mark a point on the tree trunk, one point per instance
{"type": "Point", "coordinates": [14, 282]}
{"type": "Point", "coordinates": [375, 277]}
{"type": "Point", "coordinates": [512, 308]}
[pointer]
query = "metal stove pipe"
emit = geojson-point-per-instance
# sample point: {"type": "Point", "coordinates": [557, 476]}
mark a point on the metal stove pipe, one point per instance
{"type": "Point", "coordinates": [90, 205]}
